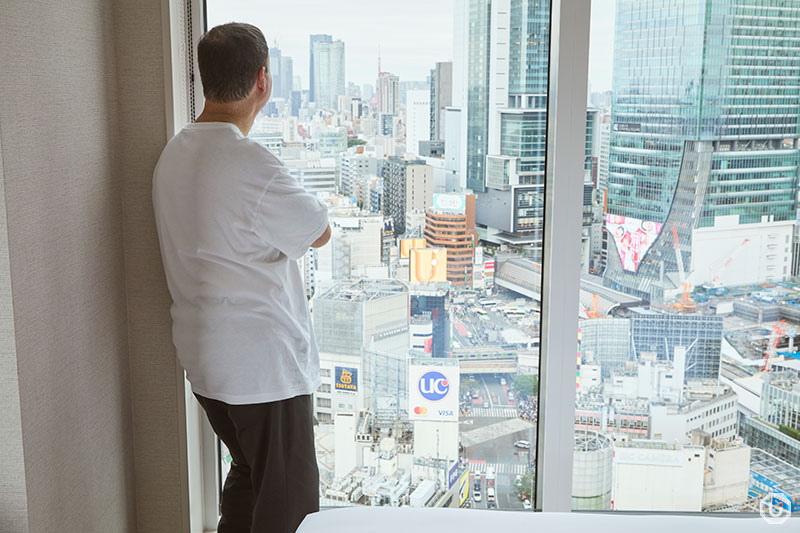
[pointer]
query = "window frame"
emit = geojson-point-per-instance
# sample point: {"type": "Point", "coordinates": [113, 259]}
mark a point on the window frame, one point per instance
{"type": "Point", "coordinates": [184, 23]}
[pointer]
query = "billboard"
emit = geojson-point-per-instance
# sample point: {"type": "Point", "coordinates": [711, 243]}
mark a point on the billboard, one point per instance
{"type": "Point", "coordinates": [478, 255]}
{"type": "Point", "coordinates": [428, 264]}
{"type": "Point", "coordinates": [407, 244]}
{"type": "Point", "coordinates": [450, 203]}
{"type": "Point", "coordinates": [633, 238]}
{"type": "Point", "coordinates": [463, 488]}
{"type": "Point", "coordinates": [452, 475]}
{"type": "Point", "coordinates": [433, 392]}
{"type": "Point", "coordinates": [628, 127]}
{"type": "Point", "coordinates": [346, 379]}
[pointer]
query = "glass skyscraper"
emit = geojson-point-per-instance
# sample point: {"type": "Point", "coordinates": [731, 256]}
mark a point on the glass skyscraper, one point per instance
{"type": "Point", "coordinates": [328, 73]}
{"type": "Point", "coordinates": [311, 40]}
{"type": "Point", "coordinates": [721, 71]}
{"type": "Point", "coordinates": [477, 104]}
{"type": "Point", "coordinates": [506, 116]}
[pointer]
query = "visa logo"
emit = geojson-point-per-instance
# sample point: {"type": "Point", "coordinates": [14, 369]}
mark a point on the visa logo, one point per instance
{"type": "Point", "coordinates": [445, 412]}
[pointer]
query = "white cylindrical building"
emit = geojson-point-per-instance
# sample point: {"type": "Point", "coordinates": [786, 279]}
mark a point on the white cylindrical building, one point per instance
{"type": "Point", "coordinates": [591, 471]}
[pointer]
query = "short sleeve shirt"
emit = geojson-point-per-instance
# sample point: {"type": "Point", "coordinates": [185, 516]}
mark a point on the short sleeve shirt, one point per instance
{"type": "Point", "coordinates": [232, 223]}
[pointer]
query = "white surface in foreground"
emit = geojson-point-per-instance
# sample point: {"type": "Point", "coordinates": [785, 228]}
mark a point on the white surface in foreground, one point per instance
{"type": "Point", "coordinates": [405, 520]}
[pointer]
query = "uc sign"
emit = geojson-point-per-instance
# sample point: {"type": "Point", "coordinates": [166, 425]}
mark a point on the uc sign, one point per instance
{"type": "Point", "coordinates": [346, 379]}
{"type": "Point", "coordinates": [433, 386]}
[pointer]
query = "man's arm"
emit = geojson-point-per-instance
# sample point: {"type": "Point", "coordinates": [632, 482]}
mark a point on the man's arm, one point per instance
{"type": "Point", "coordinates": [323, 239]}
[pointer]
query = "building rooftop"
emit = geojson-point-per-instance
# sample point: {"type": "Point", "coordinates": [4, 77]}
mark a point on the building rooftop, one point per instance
{"type": "Point", "coordinates": [786, 380]}
{"type": "Point", "coordinates": [362, 290]}
{"type": "Point", "coordinates": [785, 475]}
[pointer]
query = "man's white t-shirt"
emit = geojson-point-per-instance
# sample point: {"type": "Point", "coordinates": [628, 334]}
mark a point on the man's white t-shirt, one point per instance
{"type": "Point", "coordinates": [232, 223]}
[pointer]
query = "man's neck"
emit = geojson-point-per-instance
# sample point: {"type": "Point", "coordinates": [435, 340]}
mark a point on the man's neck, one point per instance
{"type": "Point", "coordinates": [216, 113]}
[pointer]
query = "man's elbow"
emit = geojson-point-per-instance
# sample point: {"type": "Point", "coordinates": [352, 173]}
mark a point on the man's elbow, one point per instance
{"type": "Point", "coordinates": [323, 239]}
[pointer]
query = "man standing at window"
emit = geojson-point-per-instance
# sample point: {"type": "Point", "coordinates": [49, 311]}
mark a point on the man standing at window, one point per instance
{"type": "Point", "coordinates": [232, 224]}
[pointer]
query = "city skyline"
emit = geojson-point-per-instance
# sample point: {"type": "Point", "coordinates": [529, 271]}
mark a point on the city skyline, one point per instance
{"type": "Point", "coordinates": [410, 57]}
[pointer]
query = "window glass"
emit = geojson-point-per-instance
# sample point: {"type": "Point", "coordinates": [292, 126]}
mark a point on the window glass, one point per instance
{"type": "Point", "coordinates": [426, 140]}
{"type": "Point", "coordinates": [688, 381]}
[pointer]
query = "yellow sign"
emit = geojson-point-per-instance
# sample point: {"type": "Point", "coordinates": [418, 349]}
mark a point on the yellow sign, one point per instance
{"type": "Point", "coordinates": [406, 245]}
{"type": "Point", "coordinates": [428, 264]}
{"type": "Point", "coordinates": [346, 379]}
{"type": "Point", "coordinates": [463, 488]}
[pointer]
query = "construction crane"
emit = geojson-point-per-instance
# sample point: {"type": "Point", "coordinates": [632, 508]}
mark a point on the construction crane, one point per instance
{"type": "Point", "coordinates": [686, 304]}
{"type": "Point", "coordinates": [778, 331]}
{"type": "Point", "coordinates": [715, 279]}
{"type": "Point", "coordinates": [594, 310]}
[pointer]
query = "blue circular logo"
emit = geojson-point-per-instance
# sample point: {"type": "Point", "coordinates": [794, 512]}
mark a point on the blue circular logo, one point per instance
{"type": "Point", "coordinates": [433, 386]}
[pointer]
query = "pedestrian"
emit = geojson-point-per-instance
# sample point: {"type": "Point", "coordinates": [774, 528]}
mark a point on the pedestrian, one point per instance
{"type": "Point", "coordinates": [232, 223]}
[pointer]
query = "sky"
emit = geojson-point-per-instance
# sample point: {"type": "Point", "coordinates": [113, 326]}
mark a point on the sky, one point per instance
{"type": "Point", "coordinates": [411, 35]}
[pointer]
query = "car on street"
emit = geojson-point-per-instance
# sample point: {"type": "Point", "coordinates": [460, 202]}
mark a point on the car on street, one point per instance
{"type": "Point", "coordinates": [526, 504]}
{"type": "Point", "coordinates": [476, 496]}
{"type": "Point", "coordinates": [525, 445]}
{"type": "Point", "coordinates": [485, 405]}
{"type": "Point", "coordinates": [502, 381]}
{"type": "Point", "coordinates": [518, 480]}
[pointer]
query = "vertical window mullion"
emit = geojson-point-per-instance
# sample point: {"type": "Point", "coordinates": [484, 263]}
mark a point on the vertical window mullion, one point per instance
{"type": "Point", "coordinates": [569, 58]}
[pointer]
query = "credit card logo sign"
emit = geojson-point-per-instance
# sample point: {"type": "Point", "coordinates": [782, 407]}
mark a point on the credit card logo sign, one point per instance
{"type": "Point", "coordinates": [433, 386]}
{"type": "Point", "coordinates": [420, 410]}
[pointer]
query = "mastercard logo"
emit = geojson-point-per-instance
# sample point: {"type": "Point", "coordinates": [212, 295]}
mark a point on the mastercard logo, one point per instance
{"type": "Point", "coordinates": [420, 411]}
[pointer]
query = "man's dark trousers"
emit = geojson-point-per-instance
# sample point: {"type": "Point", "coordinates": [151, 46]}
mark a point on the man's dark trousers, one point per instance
{"type": "Point", "coordinates": [274, 480]}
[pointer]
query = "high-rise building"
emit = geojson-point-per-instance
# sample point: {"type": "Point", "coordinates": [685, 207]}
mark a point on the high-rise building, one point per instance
{"type": "Point", "coordinates": [418, 116]}
{"type": "Point", "coordinates": [328, 73]}
{"type": "Point", "coordinates": [450, 224]}
{"type": "Point", "coordinates": [606, 342]}
{"type": "Point", "coordinates": [780, 400]}
{"type": "Point", "coordinates": [603, 156]}
{"type": "Point", "coordinates": [275, 59]}
{"type": "Point", "coordinates": [504, 48]}
{"type": "Point", "coordinates": [287, 77]}
{"type": "Point", "coordinates": [350, 313]}
{"type": "Point", "coordinates": [441, 97]}
{"type": "Point", "coordinates": [352, 168]}
{"type": "Point", "coordinates": [408, 184]}
{"type": "Point", "coordinates": [387, 93]}
{"type": "Point", "coordinates": [661, 333]}
{"type": "Point", "coordinates": [311, 40]}
{"type": "Point", "coordinates": [732, 94]}
{"type": "Point", "coordinates": [763, 431]}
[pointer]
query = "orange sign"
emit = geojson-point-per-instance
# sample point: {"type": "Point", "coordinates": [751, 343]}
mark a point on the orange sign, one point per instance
{"type": "Point", "coordinates": [428, 264]}
{"type": "Point", "coordinates": [406, 245]}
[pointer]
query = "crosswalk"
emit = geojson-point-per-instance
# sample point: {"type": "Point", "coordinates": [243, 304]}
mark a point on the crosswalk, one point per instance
{"type": "Point", "coordinates": [493, 412]}
{"type": "Point", "coordinates": [499, 468]}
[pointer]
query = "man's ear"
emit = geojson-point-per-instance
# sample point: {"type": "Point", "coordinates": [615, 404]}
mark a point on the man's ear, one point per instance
{"type": "Point", "coordinates": [261, 79]}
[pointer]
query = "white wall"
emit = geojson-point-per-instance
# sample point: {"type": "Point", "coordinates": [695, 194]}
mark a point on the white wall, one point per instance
{"type": "Point", "coordinates": [498, 70]}
{"type": "Point", "coordinates": [436, 439]}
{"type": "Point", "coordinates": [418, 118]}
{"type": "Point", "coordinates": [766, 257]}
{"type": "Point", "coordinates": [658, 480]}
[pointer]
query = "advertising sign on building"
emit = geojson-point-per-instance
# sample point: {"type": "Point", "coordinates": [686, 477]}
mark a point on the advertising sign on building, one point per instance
{"type": "Point", "coordinates": [346, 379]}
{"type": "Point", "coordinates": [452, 203]}
{"type": "Point", "coordinates": [428, 264]}
{"type": "Point", "coordinates": [628, 127]}
{"type": "Point", "coordinates": [406, 245]}
{"type": "Point", "coordinates": [478, 255]}
{"type": "Point", "coordinates": [463, 488]}
{"type": "Point", "coordinates": [433, 392]}
{"type": "Point", "coordinates": [452, 475]}
{"type": "Point", "coordinates": [633, 238]}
